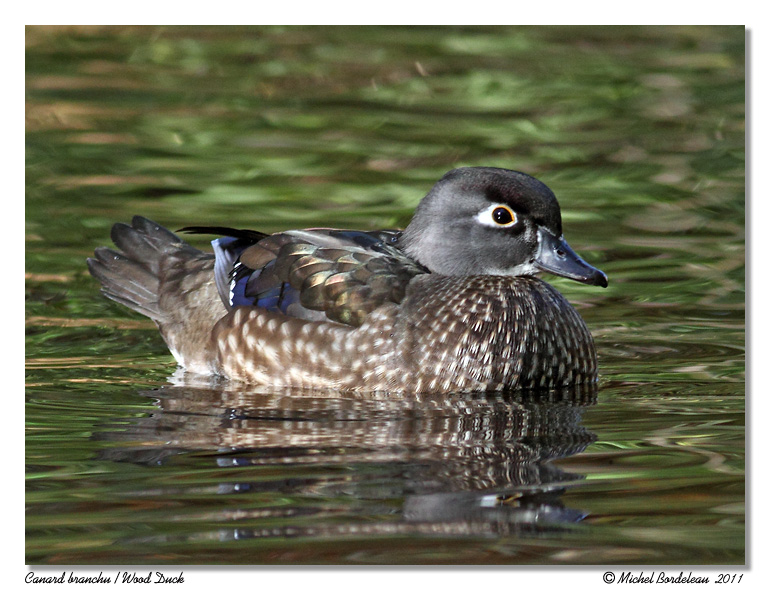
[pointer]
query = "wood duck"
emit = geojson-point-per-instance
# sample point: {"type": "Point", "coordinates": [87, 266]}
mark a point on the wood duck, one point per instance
{"type": "Point", "coordinates": [449, 304]}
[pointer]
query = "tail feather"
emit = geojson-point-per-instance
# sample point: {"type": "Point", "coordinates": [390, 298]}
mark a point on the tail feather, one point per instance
{"type": "Point", "coordinates": [126, 281]}
{"type": "Point", "coordinates": [132, 276]}
{"type": "Point", "coordinates": [157, 274]}
{"type": "Point", "coordinates": [146, 242]}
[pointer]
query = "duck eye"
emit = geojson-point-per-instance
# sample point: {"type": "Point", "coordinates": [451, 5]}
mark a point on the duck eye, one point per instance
{"type": "Point", "coordinates": [503, 216]}
{"type": "Point", "coordinates": [497, 215]}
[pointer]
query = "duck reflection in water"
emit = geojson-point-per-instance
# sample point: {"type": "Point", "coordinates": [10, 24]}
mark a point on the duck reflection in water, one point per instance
{"type": "Point", "coordinates": [370, 463]}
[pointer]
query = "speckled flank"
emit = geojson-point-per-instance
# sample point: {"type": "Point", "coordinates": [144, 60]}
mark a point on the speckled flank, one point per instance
{"type": "Point", "coordinates": [257, 345]}
{"type": "Point", "coordinates": [476, 333]}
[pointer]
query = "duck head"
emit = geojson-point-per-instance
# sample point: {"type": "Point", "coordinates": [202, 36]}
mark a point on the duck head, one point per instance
{"type": "Point", "coordinates": [493, 221]}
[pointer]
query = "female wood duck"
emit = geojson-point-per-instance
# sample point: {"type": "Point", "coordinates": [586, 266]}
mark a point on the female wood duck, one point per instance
{"type": "Point", "coordinates": [448, 304]}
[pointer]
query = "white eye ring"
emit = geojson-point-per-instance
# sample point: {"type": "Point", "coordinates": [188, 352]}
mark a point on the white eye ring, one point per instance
{"type": "Point", "coordinates": [497, 215]}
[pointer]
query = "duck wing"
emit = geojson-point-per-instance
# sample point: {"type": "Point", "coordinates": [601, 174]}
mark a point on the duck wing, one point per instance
{"type": "Point", "coordinates": [313, 274]}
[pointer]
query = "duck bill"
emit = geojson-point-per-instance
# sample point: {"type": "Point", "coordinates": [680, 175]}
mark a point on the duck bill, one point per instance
{"type": "Point", "coordinates": [555, 256]}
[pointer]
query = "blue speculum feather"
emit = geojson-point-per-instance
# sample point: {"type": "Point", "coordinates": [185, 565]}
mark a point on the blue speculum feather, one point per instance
{"type": "Point", "coordinates": [244, 290]}
{"type": "Point", "coordinates": [276, 299]}
{"type": "Point", "coordinates": [238, 285]}
{"type": "Point", "coordinates": [243, 280]}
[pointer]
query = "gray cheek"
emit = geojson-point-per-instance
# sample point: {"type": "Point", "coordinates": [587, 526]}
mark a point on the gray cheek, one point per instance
{"type": "Point", "coordinates": [506, 254]}
{"type": "Point", "coordinates": [497, 245]}
{"type": "Point", "coordinates": [530, 243]}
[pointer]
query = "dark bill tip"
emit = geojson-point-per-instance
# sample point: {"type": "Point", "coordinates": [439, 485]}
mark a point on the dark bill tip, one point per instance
{"type": "Point", "coordinates": [555, 256]}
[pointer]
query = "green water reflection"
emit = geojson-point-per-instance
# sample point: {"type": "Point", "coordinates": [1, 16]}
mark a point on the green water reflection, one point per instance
{"type": "Point", "coordinates": [638, 130]}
